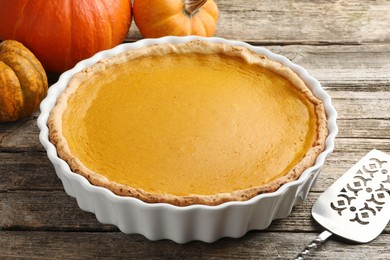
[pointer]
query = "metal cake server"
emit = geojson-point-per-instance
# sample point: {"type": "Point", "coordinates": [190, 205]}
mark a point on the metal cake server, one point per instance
{"type": "Point", "coordinates": [357, 205]}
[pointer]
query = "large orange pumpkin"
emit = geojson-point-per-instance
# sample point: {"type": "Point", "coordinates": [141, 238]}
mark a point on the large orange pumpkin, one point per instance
{"type": "Point", "coordinates": [157, 18]}
{"type": "Point", "coordinates": [23, 81]}
{"type": "Point", "coordinates": [61, 32]}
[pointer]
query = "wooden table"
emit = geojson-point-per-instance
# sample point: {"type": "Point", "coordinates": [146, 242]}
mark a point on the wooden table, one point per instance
{"type": "Point", "coordinates": [344, 44]}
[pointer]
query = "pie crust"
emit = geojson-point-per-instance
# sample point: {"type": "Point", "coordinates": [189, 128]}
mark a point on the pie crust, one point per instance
{"type": "Point", "coordinates": [57, 137]}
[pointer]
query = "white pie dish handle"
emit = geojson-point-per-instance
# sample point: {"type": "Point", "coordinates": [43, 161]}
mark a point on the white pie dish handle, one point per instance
{"type": "Point", "coordinates": [195, 222]}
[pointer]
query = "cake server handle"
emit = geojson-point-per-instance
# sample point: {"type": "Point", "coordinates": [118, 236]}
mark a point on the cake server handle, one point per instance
{"type": "Point", "coordinates": [314, 244]}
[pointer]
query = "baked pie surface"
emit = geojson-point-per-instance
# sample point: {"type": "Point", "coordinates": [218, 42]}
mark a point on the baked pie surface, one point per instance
{"type": "Point", "coordinates": [192, 123]}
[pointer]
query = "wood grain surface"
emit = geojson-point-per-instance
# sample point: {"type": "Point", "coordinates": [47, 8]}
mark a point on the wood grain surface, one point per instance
{"type": "Point", "coordinates": [344, 44]}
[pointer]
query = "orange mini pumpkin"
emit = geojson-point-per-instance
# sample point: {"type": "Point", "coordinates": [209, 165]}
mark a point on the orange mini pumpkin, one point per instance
{"type": "Point", "coordinates": [157, 18]}
{"type": "Point", "coordinates": [23, 81]}
{"type": "Point", "coordinates": [61, 32]}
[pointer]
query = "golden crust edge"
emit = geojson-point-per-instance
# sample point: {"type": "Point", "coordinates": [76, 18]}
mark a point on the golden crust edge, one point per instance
{"type": "Point", "coordinates": [56, 137]}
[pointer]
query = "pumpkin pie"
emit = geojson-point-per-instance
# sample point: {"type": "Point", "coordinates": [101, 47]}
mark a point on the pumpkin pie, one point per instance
{"type": "Point", "coordinates": [189, 123]}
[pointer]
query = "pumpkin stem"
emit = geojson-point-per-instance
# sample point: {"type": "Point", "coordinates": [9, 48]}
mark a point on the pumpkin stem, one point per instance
{"type": "Point", "coordinates": [191, 6]}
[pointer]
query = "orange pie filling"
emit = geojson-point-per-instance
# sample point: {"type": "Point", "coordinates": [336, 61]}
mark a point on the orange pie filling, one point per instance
{"type": "Point", "coordinates": [189, 125]}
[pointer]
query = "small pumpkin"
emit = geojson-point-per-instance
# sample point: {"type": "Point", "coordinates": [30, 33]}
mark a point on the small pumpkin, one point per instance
{"type": "Point", "coordinates": [23, 81]}
{"type": "Point", "coordinates": [157, 18]}
{"type": "Point", "coordinates": [61, 32]}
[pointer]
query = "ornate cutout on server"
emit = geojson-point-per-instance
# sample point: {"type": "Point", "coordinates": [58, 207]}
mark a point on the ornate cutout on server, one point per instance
{"type": "Point", "coordinates": [364, 197]}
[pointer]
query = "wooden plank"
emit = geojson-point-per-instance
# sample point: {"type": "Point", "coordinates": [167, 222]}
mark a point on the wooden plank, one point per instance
{"type": "Point", "coordinates": [114, 245]}
{"type": "Point", "coordinates": [342, 65]}
{"type": "Point", "coordinates": [363, 128]}
{"type": "Point", "coordinates": [348, 106]}
{"type": "Point", "coordinates": [300, 22]}
{"type": "Point", "coordinates": [38, 210]}
{"type": "Point", "coordinates": [367, 102]}
{"type": "Point", "coordinates": [27, 171]}
{"type": "Point", "coordinates": [20, 136]}
{"type": "Point", "coordinates": [55, 211]}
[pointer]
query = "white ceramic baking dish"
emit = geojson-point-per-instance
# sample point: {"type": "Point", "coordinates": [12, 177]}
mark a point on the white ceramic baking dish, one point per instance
{"type": "Point", "coordinates": [195, 222]}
